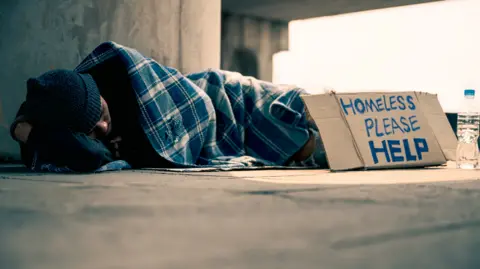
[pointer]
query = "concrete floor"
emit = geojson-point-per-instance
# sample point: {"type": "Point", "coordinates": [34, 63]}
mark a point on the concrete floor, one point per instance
{"type": "Point", "coordinates": [251, 219]}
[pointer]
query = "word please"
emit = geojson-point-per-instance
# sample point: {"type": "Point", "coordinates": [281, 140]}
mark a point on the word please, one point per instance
{"type": "Point", "coordinates": [384, 103]}
{"type": "Point", "coordinates": [390, 125]}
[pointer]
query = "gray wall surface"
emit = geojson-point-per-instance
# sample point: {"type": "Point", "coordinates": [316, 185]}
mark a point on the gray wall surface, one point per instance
{"type": "Point", "coordinates": [38, 35]}
{"type": "Point", "coordinates": [287, 10]}
{"type": "Point", "coordinates": [248, 44]}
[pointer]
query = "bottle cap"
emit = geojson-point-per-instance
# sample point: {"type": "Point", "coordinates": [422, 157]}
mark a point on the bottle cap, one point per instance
{"type": "Point", "coordinates": [469, 92]}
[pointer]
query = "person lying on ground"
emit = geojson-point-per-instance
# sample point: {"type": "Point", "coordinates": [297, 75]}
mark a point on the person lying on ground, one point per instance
{"type": "Point", "coordinates": [120, 105]}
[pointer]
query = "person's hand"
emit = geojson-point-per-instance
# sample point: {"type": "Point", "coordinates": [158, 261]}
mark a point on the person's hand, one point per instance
{"type": "Point", "coordinates": [115, 145]}
{"type": "Point", "coordinates": [22, 131]}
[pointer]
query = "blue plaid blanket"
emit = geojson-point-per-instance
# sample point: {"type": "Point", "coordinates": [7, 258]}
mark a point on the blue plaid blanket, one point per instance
{"type": "Point", "coordinates": [213, 118]}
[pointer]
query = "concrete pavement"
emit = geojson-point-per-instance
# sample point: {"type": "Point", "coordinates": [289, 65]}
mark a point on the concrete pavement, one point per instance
{"type": "Point", "coordinates": [242, 219]}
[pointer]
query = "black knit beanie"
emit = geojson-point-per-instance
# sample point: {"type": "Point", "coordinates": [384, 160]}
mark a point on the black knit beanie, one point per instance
{"type": "Point", "coordinates": [63, 98]}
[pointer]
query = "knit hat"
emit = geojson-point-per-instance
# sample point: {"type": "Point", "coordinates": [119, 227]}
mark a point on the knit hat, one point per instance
{"type": "Point", "coordinates": [63, 98]}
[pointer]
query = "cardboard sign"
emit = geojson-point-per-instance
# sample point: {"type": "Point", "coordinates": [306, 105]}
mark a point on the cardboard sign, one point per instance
{"type": "Point", "coordinates": [382, 130]}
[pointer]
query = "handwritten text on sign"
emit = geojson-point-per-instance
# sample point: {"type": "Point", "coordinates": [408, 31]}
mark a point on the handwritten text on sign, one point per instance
{"type": "Point", "coordinates": [379, 125]}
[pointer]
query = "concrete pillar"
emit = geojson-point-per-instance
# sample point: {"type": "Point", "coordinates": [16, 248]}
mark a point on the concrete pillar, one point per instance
{"type": "Point", "coordinates": [244, 37]}
{"type": "Point", "coordinates": [200, 35]}
{"type": "Point", "coordinates": [38, 35]}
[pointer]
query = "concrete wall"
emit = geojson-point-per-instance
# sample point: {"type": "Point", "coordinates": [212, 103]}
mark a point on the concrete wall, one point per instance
{"type": "Point", "coordinates": [288, 10]}
{"type": "Point", "coordinates": [37, 35]}
{"type": "Point", "coordinates": [248, 44]}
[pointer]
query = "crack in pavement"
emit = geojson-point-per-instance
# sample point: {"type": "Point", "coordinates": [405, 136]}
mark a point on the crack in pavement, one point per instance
{"type": "Point", "coordinates": [381, 238]}
{"type": "Point", "coordinates": [37, 180]}
{"type": "Point", "coordinates": [294, 190]}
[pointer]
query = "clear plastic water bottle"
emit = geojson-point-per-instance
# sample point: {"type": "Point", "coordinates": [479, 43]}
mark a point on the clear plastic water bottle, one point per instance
{"type": "Point", "coordinates": [468, 126]}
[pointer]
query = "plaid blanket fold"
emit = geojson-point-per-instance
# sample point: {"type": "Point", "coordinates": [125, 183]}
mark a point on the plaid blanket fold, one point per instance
{"type": "Point", "coordinates": [212, 118]}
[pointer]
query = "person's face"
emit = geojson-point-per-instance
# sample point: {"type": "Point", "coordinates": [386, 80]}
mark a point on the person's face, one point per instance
{"type": "Point", "coordinates": [104, 125]}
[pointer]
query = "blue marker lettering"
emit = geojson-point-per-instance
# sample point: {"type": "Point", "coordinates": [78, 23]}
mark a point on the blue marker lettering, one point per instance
{"type": "Point", "coordinates": [405, 124]}
{"type": "Point", "coordinates": [377, 131]}
{"type": "Point", "coordinates": [386, 126]}
{"type": "Point", "coordinates": [413, 120]}
{"type": "Point", "coordinates": [371, 106]}
{"type": "Point", "coordinates": [374, 151]}
{"type": "Point", "coordinates": [360, 107]}
{"type": "Point", "coordinates": [387, 107]}
{"type": "Point", "coordinates": [408, 151]}
{"type": "Point", "coordinates": [392, 102]}
{"type": "Point", "coordinates": [421, 146]}
{"type": "Point", "coordinates": [368, 125]}
{"type": "Point", "coordinates": [396, 126]}
{"type": "Point", "coordinates": [401, 101]}
{"type": "Point", "coordinates": [411, 104]}
{"type": "Point", "coordinates": [394, 147]}
{"type": "Point", "coordinates": [380, 105]}
{"type": "Point", "coordinates": [345, 106]}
